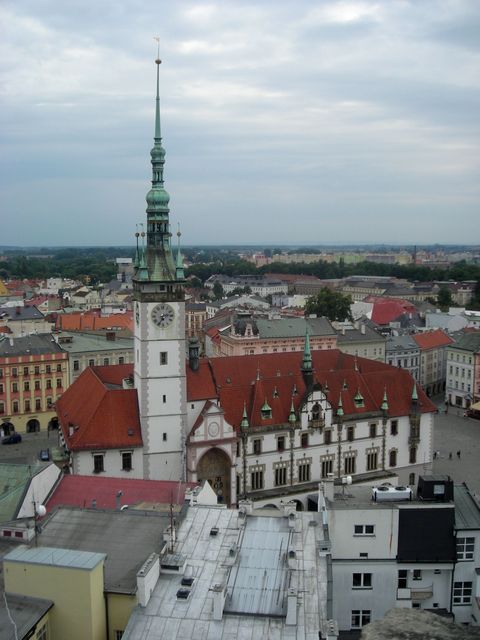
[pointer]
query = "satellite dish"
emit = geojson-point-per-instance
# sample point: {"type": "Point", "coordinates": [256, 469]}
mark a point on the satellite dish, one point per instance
{"type": "Point", "coordinates": [40, 510]}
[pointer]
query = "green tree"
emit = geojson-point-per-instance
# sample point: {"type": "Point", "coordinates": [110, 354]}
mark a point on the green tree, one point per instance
{"type": "Point", "coordinates": [444, 298]}
{"type": "Point", "coordinates": [331, 304]}
{"type": "Point", "coordinates": [217, 290]}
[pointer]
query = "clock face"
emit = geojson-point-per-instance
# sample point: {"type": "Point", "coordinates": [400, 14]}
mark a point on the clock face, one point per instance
{"type": "Point", "coordinates": [162, 315]}
{"type": "Point", "coordinates": [137, 313]}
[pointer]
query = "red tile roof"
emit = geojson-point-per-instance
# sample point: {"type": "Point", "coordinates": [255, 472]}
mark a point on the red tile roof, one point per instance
{"type": "Point", "coordinates": [200, 384]}
{"type": "Point", "coordinates": [79, 491]}
{"type": "Point", "coordinates": [102, 417]}
{"type": "Point", "coordinates": [92, 321]}
{"type": "Point", "coordinates": [432, 339]}
{"type": "Point", "coordinates": [386, 310]}
{"type": "Point", "coordinates": [235, 379]}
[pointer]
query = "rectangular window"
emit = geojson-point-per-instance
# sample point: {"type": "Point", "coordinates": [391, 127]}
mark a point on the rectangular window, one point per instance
{"type": "Point", "coordinates": [25, 371]}
{"type": "Point", "coordinates": [91, 363]}
{"type": "Point", "coordinates": [256, 480]}
{"type": "Point", "coordinates": [38, 404]}
{"type": "Point", "coordinates": [37, 385]}
{"type": "Point", "coordinates": [360, 617]}
{"type": "Point", "coordinates": [76, 365]}
{"type": "Point", "coordinates": [163, 357]}
{"type": "Point", "coordinates": [280, 476]}
{"type": "Point", "coordinates": [1, 388]}
{"type": "Point", "coordinates": [15, 406]}
{"type": "Point", "coordinates": [402, 578]}
{"type": "Point", "coordinates": [106, 362]}
{"type": "Point", "coordinates": [327, 467]}
{"type": "Point", "coordinates": [164, 437]}
{"type": "Point", "coordinates": [164, 399]}
{"type": "Point", "coordinates": [281, 443]}
{"type": "Point", "coordinates": [372, 460]}
{"type": "Point", "coordinates": [48, 369]}
{"type": "Point", "coordinates": [350, 434]}
{"type": "Point", "coordinates": [462, 592]}
{"type": "Point", "coordinates": [15, 372]}
{"type": "Point", "coordinates": [2, 407]}
{"type": "Point", "coordinates": [417, 574]}
{"type": "Point", "coordinates": [14, 387]}
{"type": "Point", "coordinates": [26, 385]}
{"type": "Point", "coordinates": [127, 461]}
{"type": "Point", "coordinates": [257, 446]}
{"type": "Point", "coordinates": [364, 529]}
{"type": "Point", "coordinates": [37, 370]}
{"type": "Point", "coordinates": [362, 581]}
{"type": "Point", "coordinates": [465, 548]}
{"type": "Point", "coordinates": [98, 463]}
{"type": "Point", "coordinates": [349, 464]}
{"type": "Point", "coordinates": [27, 406]}
{"type": "Point", "coordinates": [327, 436]}
{"type": "Point", "coordinates": [48, 384]}
{"type": "Point", "coordinates": [121, 360]}
{"type": "Point", "coordinates": [59, 367]}
{"type": "Point", "coordinates": [304, 472]}
{"type": "Point", "coordinates": [412, 458]}
{"type": "Point", "coordinates": [1, 373]}
{"type": "Point", "coordinates": [304, 440]}
{"type": "Point", "coordinates": [373, 430]}
{"type": "Point", "coordinates": [59, 383]}
{"type": "Point", "coordinates": [394, 427]}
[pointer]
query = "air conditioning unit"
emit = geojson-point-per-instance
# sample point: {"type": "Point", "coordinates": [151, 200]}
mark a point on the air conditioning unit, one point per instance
{"type": "Point", "coordinates": [391, 494]}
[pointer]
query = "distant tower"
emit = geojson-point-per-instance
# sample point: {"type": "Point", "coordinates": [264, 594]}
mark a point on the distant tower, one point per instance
{"type": "Point", "coordinates": [159, 336]}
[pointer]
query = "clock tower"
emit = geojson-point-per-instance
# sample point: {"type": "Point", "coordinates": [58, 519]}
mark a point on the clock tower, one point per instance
{"type": "Point", "coordinates": [159, 334]}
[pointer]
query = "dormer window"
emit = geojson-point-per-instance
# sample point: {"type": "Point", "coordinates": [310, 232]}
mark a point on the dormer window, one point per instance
{"type": "Point", "coordinates": [266, 411]}
{"type": "Point", "coordinates": [359, 403]}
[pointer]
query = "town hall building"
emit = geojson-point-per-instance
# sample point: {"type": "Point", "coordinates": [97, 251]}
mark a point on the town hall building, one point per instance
{"type": "Point", "coordinates": [267, 427]}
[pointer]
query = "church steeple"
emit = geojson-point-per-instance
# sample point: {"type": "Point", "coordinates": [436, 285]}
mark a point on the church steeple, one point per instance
{"type": "Point", "coordinates": [159, 260]}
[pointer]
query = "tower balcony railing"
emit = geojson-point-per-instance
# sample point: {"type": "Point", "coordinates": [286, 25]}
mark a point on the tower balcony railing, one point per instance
{"type": "Point", "coordinates": [317, 423]}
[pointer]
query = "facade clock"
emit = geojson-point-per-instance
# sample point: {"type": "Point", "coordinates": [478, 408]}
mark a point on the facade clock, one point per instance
{"type": "Point", "coordinates": [162, 315]}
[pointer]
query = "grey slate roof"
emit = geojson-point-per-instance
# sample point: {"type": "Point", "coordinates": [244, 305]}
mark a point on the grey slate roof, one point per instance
{"type": "Point", "coordinates": [468, 341]}
{"type": "Point", "coordinates": [21, 313]}
{"type": "Point", "coordinates": [126, 537]}
{"type": "Point", "coordinates": [467, 511]}
{"type": "Point", "coordinates": [355, 335]}
{"type": "Point", "coordinates": [401, 343]}
{"type": "Point", "coordinates": [32, 345]}
{"type": "Point", "coordinates": [88, 342]}
{"type": "Point", "coordinates": [25, 611]}
{"type": "Point", "coordinates": [294, 327]}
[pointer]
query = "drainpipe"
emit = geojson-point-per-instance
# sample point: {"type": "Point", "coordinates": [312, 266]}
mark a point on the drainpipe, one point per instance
{"type": "Point", "coordinates": [452, 578]}
{"type": "Point", "coordinates": [107, 623]}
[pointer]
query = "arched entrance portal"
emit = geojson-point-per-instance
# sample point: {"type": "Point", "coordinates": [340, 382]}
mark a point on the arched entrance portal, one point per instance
{"type": "Point", "coordinates": [7, 428]}
{"type": "Point", "coordinates": [33, 426]}
{"type": "Point", "coordinates": [214, 466]}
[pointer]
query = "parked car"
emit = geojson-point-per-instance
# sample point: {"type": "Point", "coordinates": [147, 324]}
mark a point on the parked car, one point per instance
{"type": "Point", "coordinates": [13, 438]}
{"type": "Point", "coordinates": [44, 455]}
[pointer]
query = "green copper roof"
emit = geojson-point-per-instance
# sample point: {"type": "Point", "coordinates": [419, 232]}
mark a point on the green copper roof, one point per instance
{"type": "Point", "coordinates": [244, 424]}
{"type": "Point", "coordinates": [307, 354]}
{"type": "Point", "coordinates": [292, 417]}
{"type": "Point", "coordinates": [340, 406]}
{"type": "Point", "coordinates": [384, 406]}
{"type": "Point", "coordinates": [414, 393]}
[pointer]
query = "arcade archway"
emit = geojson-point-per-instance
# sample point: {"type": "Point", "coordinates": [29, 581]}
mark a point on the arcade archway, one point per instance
{"type": "Point", "coordinates": [33, 426]}
{"type": "Point", "coordinates": [214, 466]}
{"type": "Point", "coordinates": [7, 428]}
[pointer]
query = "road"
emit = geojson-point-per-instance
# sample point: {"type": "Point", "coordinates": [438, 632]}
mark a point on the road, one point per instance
{"type": "Point", "coordinates": [452, 433]}
{"type": "Point", "coordinates": [26, 452]}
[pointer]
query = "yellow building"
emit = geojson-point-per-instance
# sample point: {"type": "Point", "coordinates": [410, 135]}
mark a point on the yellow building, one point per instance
{"type": "Point", "coordinates": [72, 580]}
{"type": "Point", "coordinates": [33, 375]}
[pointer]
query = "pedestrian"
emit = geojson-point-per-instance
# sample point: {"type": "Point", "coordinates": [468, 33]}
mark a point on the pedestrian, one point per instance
{"type": "Point", "coordinates": [450, 456]}
{"type": "Point", "coordinates": [458, 454]}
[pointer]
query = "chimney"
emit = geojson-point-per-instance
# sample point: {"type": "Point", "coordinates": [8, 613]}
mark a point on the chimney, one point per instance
{"type": "Point", "coordinates": [219, 597]}
{"type": "Point", "coordinates": [291, 607]}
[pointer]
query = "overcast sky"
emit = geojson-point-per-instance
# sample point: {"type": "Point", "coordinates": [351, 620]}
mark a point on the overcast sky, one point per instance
{"type": "Point", "coordinates": [283, 121]}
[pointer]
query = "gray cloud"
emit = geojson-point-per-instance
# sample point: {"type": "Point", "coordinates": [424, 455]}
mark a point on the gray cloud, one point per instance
{"type": "Point", "coordinates": [283, 122]}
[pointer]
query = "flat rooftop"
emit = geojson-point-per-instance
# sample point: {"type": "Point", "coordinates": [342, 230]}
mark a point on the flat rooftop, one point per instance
{"type": "Point", "coordinates": [248, 557]}
{"type": "Point", "coordinates": [55, 557]}
{"type": "Point", "coordinates": [360, 497]}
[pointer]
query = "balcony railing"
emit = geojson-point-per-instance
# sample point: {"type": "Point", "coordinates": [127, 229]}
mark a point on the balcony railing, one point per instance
{"type": "Point", "coordinates": [316, 424]}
